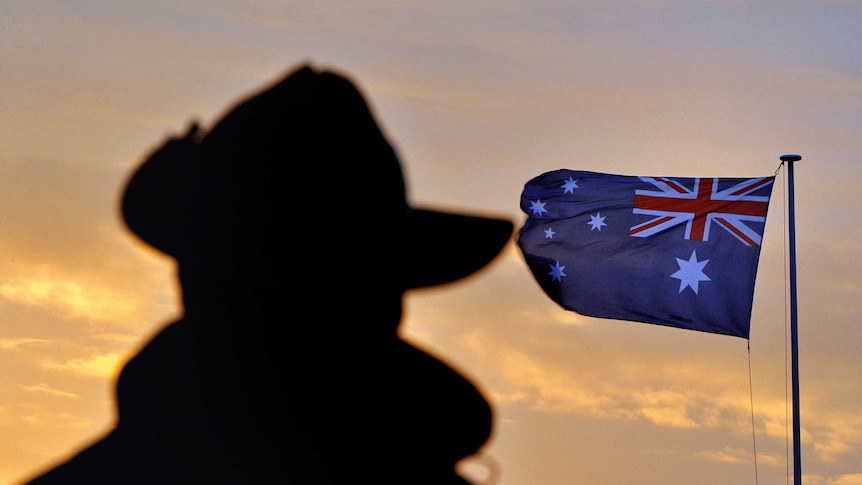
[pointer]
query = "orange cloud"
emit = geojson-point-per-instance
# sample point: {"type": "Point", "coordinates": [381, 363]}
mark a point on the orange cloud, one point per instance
{"type": "Point", "coordinates": [106, 365]}
{"type": "Point", "coordinates": [45, 389]}
{"type": "Point", "coordinates": [14, 343]}
{"type": "Point", "coordinates": [72, 298]}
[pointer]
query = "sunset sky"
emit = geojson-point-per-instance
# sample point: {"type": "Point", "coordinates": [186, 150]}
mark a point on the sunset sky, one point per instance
{"type": "Point", "coordinates": [478, 97]}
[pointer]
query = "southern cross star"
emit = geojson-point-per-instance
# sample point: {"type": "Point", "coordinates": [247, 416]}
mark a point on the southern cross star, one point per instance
{"type": "Point", "coordinates": [570, 186]}
{"type": "Point", "coordinates": [537, 206]}
{"type": "Point", "coordinates": [597, 221]}
{"type": "Point", "coordinates": [557, 272]}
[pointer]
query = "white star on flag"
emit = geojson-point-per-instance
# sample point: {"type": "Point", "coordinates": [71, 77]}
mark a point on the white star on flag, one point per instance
{"type": "Point", "coordinates": [690, 272]}
{"type": "Point", "coordinates": [570, 186]}
{"type": "Point", "coordinates": [549, 233]}
{"type": "Point", "coordinates": [557, 272]}
{"type": "Point", "coordinates": [597, 221]}
{"type": "Point", "coordinates": [537, 206]}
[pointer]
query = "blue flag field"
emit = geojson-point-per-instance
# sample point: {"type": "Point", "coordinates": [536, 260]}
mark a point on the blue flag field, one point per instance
{"type": "Point", "coordinates": [681, 252]}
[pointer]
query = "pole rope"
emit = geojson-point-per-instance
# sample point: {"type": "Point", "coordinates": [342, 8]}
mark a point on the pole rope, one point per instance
{"type": "Point", "coordinates": [751, 396]}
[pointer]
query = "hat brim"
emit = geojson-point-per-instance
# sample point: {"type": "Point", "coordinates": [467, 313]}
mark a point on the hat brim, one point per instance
{"type": "Point", "coordinates": [446, 246]}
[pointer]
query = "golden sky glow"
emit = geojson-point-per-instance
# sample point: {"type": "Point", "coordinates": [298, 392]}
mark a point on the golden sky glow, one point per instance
{"type": "Point", "coordinates": [477, 99]}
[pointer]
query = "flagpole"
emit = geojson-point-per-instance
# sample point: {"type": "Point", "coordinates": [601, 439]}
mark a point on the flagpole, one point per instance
{"type": "Point", "coordinates": [794, 339]}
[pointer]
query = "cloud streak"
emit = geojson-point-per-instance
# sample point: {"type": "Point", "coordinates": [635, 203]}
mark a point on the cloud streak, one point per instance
{"type": "Point", "coordinates": [106, 365]}
{"type": "Point", "coordinates": [45, 389]}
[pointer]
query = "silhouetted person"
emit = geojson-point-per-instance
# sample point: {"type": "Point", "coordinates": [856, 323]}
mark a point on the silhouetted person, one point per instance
{"type": "Point", "coordinates": [295, 243]}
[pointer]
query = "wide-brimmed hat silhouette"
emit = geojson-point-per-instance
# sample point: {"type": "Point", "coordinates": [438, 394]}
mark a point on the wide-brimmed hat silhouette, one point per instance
{"type": "Point", "coordinates": [306, 148]}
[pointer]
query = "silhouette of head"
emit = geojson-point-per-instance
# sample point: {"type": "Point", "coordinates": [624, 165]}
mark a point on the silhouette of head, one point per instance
{"type": "Point", "coordinates": [299, 174]}
{"type": "Point", "coordinates": [295, 202]}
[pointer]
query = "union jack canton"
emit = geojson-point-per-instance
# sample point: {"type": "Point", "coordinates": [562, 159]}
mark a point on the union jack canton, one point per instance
{"type": "Point", "coordinates": [681, 252]}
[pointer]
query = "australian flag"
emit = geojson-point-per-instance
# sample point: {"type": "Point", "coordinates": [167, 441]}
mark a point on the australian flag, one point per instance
{"type": "Point", "coordinates": [680, 252]}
